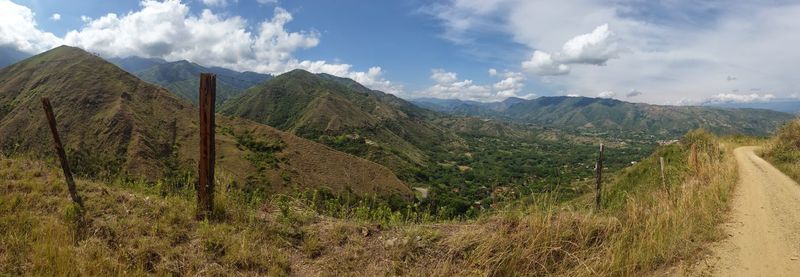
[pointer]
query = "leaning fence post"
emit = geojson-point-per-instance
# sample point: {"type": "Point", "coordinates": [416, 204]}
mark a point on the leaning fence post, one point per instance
{"type": "Point", "coordinates": [598, 170]}
{"type": "Point", "coordinates": [694, 160]}
{"type": "Point", "coordinates": [205, 187]}
{"type": "Point", "coordinates": [51, 119]}
{"type": "Point", "coordinates": [663, 177]}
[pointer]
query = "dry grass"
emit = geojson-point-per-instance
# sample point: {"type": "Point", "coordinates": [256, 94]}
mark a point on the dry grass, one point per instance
{"type": "Point", "coordinates": [783, 150]}
{"type": "Point", "coordinates": [129, 230]}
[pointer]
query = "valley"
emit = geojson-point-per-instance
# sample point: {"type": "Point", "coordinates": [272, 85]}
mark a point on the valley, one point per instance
{"type": "Point", "coordinates": [335, 176]}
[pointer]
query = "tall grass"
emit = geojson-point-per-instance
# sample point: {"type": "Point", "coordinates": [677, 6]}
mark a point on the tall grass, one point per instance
{"type": "Point", "coordinates": [643, 228]}
{"type": "Point", "coordinates": [134, 228]}
{"type": "Point", "coordinates": [783, 150]}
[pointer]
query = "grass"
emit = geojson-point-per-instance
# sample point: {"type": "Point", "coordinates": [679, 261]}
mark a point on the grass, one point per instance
{"type": "Point", "coordinates": [783, 150]}
{"type": "Point", "coordinates": [136, 229]}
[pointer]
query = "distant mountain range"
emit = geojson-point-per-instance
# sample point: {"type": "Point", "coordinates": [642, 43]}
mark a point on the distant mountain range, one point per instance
{"type": "Point", "coordinates": [10, 55]}
{"type": "Point", "coordinates": [782, 105]}
{"type": "Point", "coordinates": [112, 122]}
{"type": "Point", "coordinates": [180, 77]}
{"type": "Point", "coordinates": [610, 115]}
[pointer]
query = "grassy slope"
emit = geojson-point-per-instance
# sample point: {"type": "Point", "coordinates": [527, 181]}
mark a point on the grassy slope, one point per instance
{"type": "Point", "coordinates": [110, 118]}
{"type": "Point", "coordinates": [783, 150]}
{"type": "Point", "coordinates": [130, 229]}
{"type": "Point", "coordinates": [321, 106]}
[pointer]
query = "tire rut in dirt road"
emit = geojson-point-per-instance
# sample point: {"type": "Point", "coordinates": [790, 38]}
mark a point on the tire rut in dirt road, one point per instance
{"type": "Point", "coordinates": [764, 227]}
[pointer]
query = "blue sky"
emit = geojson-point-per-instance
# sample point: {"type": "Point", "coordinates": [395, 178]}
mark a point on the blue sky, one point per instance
{"type": "Point", "coordinates": [669, 52]}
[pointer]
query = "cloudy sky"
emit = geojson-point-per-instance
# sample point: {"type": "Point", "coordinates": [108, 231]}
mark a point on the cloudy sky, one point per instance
{"type": "Point", "coordinates": [664, 52]}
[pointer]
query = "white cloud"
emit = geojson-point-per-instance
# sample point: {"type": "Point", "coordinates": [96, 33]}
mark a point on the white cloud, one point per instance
{"type": "Point", "coordinates": [267, 1]}
{"type": "Point", "coordinates": [55, 17]}
{"type": "Point", "coordinates": [448, 86]}
{"type": "Point", "coordinates": [739, 98]}
{"type": "Point", "coordinates": [170, 31]}
{"type": "Point", "coordinates": [18, 29]}
{"type": "Point", "coordinates": [633, 93]}
{"type": "Point", "coordinates": [542, 63]}
{"type": "Point", "coordinates": [167, 29]}
{"type": "Point", "coordinates": [215, 3]}
{"type": "Point", "coordinates": [672, 49]}
{"type": "Point", "coordinates": [492, 72]}
{"type": "Point", "coordinates": [511, 85]}
{"type": "Point", "coordinates": [443, 77]}
{"type": "Point", "coordinates": [606, 94]}
{"type": "Point", "coordinates": [594, 48]}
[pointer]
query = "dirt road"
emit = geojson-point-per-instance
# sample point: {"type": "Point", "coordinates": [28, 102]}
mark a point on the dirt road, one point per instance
{"type": "Point", "coordinates": [765, 222]}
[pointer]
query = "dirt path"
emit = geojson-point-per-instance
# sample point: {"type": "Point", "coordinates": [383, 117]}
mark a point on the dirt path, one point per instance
{"type": "Point", "coordinates": [765, 224]}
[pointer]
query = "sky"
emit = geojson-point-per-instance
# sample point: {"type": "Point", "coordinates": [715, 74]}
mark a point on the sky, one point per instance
{"type": "Point", "coordinates": [661, 52]}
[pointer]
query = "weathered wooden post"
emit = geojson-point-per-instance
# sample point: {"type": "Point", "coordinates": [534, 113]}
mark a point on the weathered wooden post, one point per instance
{"type": "Point", "coordinates": [62, 156]}
{"type": "Point", "coordinates": [663, 177]}
{"type": "Point", "coordinates": [694, 158]}
{"type": "Point", "coordinates": [598, 170]}
{"type": "Point", "coordinates": [205, 186]}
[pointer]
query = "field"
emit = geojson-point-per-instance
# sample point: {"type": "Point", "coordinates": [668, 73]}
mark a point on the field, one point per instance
{"type": "Point", "coordinates": [138, 228]}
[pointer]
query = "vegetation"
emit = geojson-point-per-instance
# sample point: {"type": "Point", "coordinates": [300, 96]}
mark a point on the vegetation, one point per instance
{"type": "Point", "coordinates": [181, 78]}
{"type": "Point", "coordinates": [115, 125]}
{"type": "Point", "coordinates": [598, 115]}
{"type": "Point", "coordinates": [783, 150]}
{"type": "Point", "coordinates": [135, 228]}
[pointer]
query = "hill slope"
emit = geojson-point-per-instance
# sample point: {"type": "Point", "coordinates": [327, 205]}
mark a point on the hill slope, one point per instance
{"type": "Point", "coordinates": [344, 114]}
{"type": "Point", "coordinates": [180, 77]}
{"type": "Point", "coordinates": [604, 115]}
{"type": "Point", "coordinates": [111, 122]}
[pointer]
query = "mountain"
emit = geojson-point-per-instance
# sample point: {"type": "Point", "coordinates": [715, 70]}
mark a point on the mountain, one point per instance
{"type": "Point", "coordinates": [135, 64]}
{"type": "Point", "coordinates": [114, 123]}
{"type": "Point", "coordinates": [781, 105]}
{"type": "Point", "coordinates": [608, 115]}
{"type": "Point", "coordinates": [10, 55]}
{"type": "Point", "coordinates": [344, 114]}
{"type": "Point", "coordinates": [181, 78]}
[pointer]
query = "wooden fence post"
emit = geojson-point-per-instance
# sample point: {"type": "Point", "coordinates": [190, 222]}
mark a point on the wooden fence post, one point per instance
{"type": "Point", "coordinates": [205, 187]}
{"type": "Point", "coordinates": [598, 170]}
{"type": "Point", "coordinates": [62, 156]}
{"type": "Point", "coordinates": [693, 158]}
{"type": "Point", "coordinates": [663, 177]}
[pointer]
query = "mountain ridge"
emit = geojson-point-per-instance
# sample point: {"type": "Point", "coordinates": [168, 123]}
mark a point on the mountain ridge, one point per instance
{"type": "Point", "coordinates": [111, 121]}
{"type": "Point", "coordinates": [585, 113]}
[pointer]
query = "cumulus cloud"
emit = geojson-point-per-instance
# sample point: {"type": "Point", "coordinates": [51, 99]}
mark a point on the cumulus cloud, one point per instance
{"type": "Point", "coordinates": [167, 29]}
{"type": "Point", "coordinates": [55, 17]}
{"type": "Point", "coordinates": [511, 85]}
{"type": "Point", "coordinates": [18, 29]}
{"type": "Point", "coordinates": [542, 63]}
{"type": "Point", "coordinates": [606, 94]}
{"type": "Point", "coordinates": [217, 3]}
{"type": "Point", "coordinates": [671, 49]}
{"type": "Point", "coordinates": [595, 48]}
{"type": "Point", "coordinates": [492, 72]}
{"type": "Point", "coordinates": [449, 86]}
{"type": "Point", "coordinates": [739, 98]}
{"type": "Point", "coordinates": [633, 93]}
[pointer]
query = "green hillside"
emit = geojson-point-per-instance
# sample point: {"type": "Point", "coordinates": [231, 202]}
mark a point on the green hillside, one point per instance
{"type": "Point", "coordinates": [117, 126]}
{"type": "Point", "coordinates": [345, 115]}
{"type": "Point", "coordinates": [600, 115]}
{"type": "Point", "coordinates": [181, 78]}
